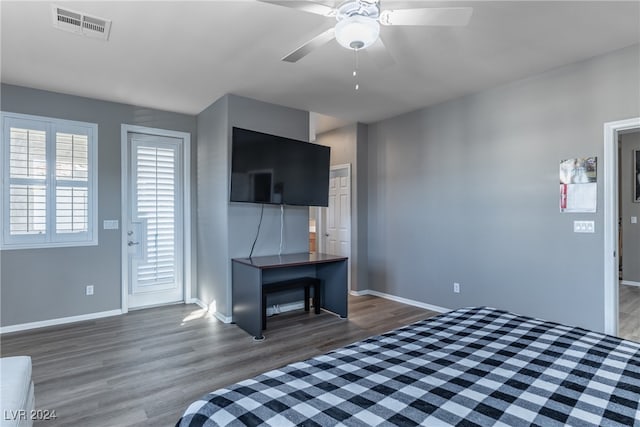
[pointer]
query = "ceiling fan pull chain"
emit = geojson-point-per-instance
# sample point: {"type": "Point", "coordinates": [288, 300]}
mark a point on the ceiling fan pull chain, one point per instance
{"type": "Point", "coordinates": [355, 67]}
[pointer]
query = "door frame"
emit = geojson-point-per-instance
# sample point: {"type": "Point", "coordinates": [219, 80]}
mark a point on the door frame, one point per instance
{"type": "Point", "coordinates": [321, 221]}
{"type": "Point", "coordinates": [611, 214]}
{"type": "Point", "coordinates": [185, 137]}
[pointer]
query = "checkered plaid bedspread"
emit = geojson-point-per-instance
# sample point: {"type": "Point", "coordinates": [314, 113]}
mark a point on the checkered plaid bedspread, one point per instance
{"type": "Point", "coordinates": [469, 367]}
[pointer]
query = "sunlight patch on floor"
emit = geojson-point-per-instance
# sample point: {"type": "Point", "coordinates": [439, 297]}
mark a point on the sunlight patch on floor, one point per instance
{"type": "Point", "coordinates": [197, 314]}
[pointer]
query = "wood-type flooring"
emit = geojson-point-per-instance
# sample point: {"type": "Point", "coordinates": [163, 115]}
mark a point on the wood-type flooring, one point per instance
{"type": "Point", "coordinates": [629, 312]}
{"type": "Point", "coordinates": [145, 367]}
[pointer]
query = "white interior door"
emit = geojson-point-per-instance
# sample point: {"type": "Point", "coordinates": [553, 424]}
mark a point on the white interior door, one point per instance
{"type": "Point", "coordinates": [337, 222]}
{"type": "Point", "coordinates": [155, 223]}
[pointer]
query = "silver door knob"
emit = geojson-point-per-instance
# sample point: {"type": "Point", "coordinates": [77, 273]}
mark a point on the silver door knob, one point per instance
{"type": "Point", "coordinates": [130, 243]}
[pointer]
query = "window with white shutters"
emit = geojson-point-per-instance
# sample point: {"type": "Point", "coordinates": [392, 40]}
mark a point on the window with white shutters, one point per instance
{"type": "Point", "coordinates": [49, 190]}
{"type": "Point", "coordinates": [155, 204]}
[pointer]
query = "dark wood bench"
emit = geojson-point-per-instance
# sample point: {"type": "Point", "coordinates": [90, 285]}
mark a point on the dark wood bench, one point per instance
{"type": "Point", "coordinates": [287, 285]}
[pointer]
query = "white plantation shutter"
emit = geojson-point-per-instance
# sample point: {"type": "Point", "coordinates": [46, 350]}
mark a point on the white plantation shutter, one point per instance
{"type": "Point", "coordinates": [154, 203]}
{"type": "Point", "coordinates": [27, 209]}
{"type": "Point", "coordinates": [72, 183]}
{"type": "Point", "coordinates": [27, 180]}
{"type": "Point", "coordinates": [49, 182]}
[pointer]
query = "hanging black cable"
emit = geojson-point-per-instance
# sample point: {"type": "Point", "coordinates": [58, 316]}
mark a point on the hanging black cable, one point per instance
{"type": "Point", "coordinates": [257, 232]}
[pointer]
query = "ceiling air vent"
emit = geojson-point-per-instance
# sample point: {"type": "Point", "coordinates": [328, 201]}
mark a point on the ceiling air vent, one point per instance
{"type": "Point", "coordinates": [79, 23]}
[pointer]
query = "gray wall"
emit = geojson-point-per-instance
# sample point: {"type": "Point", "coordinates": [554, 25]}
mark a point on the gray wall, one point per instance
{"type": "Point", "coordinates": [467, 191]}
{"type": "Point", "coordinates": [344, 150]}
{"type": "Point", "coordinates": [362, 154]}
{"type": "Point", "coordinates": [43, 284]}
{"type": "Point", "coordinates": [630, 232]}
{"type": "Point", "coordinates": [213, 235]}
{"type": "Point", "coordinates": [343, 143]}
{"type": "Point", "coordinates": [227, 230]}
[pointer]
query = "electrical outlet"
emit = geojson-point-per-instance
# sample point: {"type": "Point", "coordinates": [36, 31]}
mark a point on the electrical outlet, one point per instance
{"type": "Point", "coordinates": [456, 287]}
{"type": "Point", "coordinates": [89, 290]}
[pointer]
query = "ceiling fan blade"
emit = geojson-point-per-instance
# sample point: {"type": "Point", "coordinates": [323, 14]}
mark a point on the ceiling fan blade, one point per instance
{"type": "Point", "coordinates": [319, 40]}
{"type": "Point", "coordinates": [380, 54]}
{"type": "Point", "coordinates": [305, 6]}
{"type": "Point", "coordinates": [445, 16]}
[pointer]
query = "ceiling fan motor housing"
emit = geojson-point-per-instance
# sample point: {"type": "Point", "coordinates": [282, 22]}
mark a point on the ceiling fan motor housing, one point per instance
{"type": "Point", "coordinates": [357, 26]}
{"type": "Point", "coordinates": [358, 7]}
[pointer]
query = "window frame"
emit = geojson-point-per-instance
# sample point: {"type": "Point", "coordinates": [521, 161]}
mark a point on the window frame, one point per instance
{"type": "Point", "coordinates": [51, 238]}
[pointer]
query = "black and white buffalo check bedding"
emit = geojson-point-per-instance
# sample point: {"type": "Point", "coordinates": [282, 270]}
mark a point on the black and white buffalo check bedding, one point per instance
{"type": "Point", "coordinates": [469, 367]}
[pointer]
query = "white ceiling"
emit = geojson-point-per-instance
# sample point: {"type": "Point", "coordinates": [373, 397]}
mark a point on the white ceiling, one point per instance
{"type": "Point", "coordinates": [182, 56]}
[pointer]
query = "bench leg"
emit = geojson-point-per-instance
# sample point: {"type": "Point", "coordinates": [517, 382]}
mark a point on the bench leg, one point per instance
{"type": "Point", "coordinates": [264, 311]}
{"type": "Point", "coordinates": [306, 298]}
{"type": "Point", "coordinates": [316, 297]}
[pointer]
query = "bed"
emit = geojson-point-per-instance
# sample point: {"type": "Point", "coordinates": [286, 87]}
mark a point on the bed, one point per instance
{"type": "Point", "coordinates": [469, 367]}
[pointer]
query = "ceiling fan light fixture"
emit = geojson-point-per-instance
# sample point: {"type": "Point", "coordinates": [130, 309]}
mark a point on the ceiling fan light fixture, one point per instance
{"type": "Point", "coordinates": [357, 32]}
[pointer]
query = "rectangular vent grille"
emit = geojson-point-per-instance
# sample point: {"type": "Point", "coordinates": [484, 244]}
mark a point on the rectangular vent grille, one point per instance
{"type": "Point", "coordinates": [70, 18]}
{"type": "Point", "coordinates": [79, 23]}
{"type": "Point", "coordinates": [93, 24]}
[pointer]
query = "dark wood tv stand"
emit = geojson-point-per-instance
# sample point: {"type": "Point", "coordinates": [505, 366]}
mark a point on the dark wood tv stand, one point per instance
{"type": "Point", "coordinates": [250, 274]}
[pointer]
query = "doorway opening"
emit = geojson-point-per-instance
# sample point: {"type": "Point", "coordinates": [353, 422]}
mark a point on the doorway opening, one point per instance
{"type": "Point", "coordinates": [629, 234]}
{"type": "Point", "coordinates": [612, 133]}
{"type": "Point", "coordinates": [330, 227]}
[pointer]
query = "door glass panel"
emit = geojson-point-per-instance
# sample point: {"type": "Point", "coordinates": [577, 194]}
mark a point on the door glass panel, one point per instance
{"type": "Point", "coordinates": [155, 206]}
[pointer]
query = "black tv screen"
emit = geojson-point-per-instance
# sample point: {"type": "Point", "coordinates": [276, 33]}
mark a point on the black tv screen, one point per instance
{"type": "Point", "coordinates": [272, 169]}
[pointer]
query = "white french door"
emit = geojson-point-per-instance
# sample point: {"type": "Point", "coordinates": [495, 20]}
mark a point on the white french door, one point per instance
{"type": "Point", "coordinates": [155, 220]}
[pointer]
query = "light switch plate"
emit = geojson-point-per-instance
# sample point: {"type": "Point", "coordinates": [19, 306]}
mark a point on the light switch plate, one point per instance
{"type": "Point", "coordinates": [110, 224]}
{"type": "Point", "coordinates": [634, 220]}
{"type": "Point", "coordinates": [584, 226]}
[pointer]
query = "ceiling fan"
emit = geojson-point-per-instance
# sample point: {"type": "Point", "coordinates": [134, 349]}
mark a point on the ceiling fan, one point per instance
{"type": "Point", "coordinates": [358, 24]}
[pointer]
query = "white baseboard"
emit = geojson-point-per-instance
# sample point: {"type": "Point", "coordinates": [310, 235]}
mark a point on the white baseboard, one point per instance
{"type": "Point", "coordinates": [221, 317]}
{"type": "Point", "coordinates": [630, 283]}
{"type": "Point", "coordinates": [59, 321]}
{"type": "Point", "coordinates": [298, 305]}
{"type": "Point", "coordinates": [196, 301]}
{"type": "Point", "coordinates": [407, 301]}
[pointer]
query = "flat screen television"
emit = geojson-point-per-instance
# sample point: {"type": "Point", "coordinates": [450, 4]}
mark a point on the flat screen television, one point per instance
{"type": "Point", "coordinates": [275, 170]}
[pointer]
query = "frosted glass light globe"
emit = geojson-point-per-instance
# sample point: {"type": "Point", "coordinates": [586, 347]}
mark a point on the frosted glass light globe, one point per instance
{"type": "Point", "coordinates": [357, 32]}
